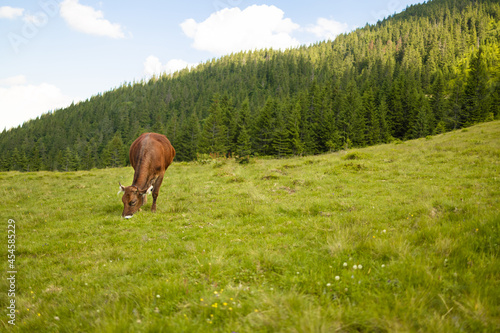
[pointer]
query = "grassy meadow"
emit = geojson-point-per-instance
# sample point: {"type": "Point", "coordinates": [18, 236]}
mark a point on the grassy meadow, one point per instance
{"type": "Point", "coordinates": [402, 237]}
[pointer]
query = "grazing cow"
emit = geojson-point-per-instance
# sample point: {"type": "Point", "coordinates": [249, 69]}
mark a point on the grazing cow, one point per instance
{"type": "Point", "coordinates": [150, 155]}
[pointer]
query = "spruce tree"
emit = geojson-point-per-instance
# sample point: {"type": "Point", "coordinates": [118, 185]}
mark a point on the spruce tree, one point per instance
{"type": "Point", "coordinates": [24, 163]}
{"type": "Point", "coordinates": [421, 125]}
{"type": "Point", "coordinates": [105, 160]}
{"type": "Point", "coordinates": [438, 97]}
{"type": "Point", "coordinates": [396, 112]}
{"type": "Point", "coordinates": [228, 120]}
{"type": "Point", "coordinates": [264, 128]}
{"type": "Point", "coordinates": [214, 134]}
{"type": "Point", "coordinates": [384, 128]}
{"type": "Point", "coordinates": [187, 144]}
{"type": "Point", "coordinates": [67, 160]}
{"type": "Point", "coordinates": [349, 108]}
{"type": "Point", "coordinates": [243, 146]}
{"type": "Point", "coordinates": [293, 126]}
{"type": "Point", "coordinates": [88, 157]}
{"type": "Point", "coordinates": [35, 159]}
{"type": "Point", "coordinates": [475, 94]}
{"type": "Point", "coordinates": [372, 133]}
{"type": "Point", "coordinates": [241, 120]}
{"type": "Point", "coordinates": [116, 151]}
{"type": "Point", "coordinates": [17, 162]}
{"type": "Point", "coordinates": [281, 134]}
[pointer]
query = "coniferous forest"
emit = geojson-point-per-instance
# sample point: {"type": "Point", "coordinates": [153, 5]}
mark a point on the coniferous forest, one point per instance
{"type": "Point", "coordinates": [435, 67]}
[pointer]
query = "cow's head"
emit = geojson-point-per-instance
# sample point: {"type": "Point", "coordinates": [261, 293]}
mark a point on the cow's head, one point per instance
{"type": "Point", "coordinates": [133, 198]}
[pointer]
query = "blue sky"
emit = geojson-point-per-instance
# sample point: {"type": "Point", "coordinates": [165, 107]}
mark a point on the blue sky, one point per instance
{"type": "Point", "coordinates": [54, 52]}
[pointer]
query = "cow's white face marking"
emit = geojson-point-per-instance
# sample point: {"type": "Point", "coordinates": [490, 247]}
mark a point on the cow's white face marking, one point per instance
{"type": "Point", "coordinates": [128, 216]}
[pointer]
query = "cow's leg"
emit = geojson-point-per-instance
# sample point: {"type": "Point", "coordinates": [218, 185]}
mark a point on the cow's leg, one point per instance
{"type": "Point", "coordinates": [156, 190]}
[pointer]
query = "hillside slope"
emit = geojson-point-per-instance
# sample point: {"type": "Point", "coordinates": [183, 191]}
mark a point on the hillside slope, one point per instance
{"type": "Point", "coordinates": [430, 69]}
{"type": "Point", "coordinates": [262, 247]}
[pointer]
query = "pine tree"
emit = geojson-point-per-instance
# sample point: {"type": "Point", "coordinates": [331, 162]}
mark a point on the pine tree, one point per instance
{"type": "Point", "coordinates": [475, 94]}
{"type": "Point", "coordinates": [241, 120]}
{"type": "Point", "coordinates": [396, 112]}
{"type": "Point", "coordinates": [187, 144]}
{"type": "Point", "coordinates": [421, 125]}
{"type": "Point", "coordinates": [372, 133]}
{"type": "Point", "coordinates": [241, 131]}
{"type": "Point", "coordinates": [384, 128]}
{"type": "Point", "coordinates": [214, 134]}
{"type": "Point", "coordinates": [105, 160]}
{"type": "Point", "coordinates": [88, 157]}
{"type": "Point", "coordinates": [35, 160]}
{"type": "Point", "coordinates": [172, 128]}
{"type": "Point", "coordinates": [116, 151]}
{"type": "Point", "coordinates": [157, 125]}
{"type": "Point", "coordinates": [306, 125]}
{"type": "Point", "coordinates": [314, 115]}
{"type": "Point", "coordinates": [76, 161]}
{"type": "Point", "coordinates": [4, 162]}
{"type": "Point", "coordinates": [438, 99]}
{"type": "Point", "coordinates": [59, 162]}
{"type": "Point", "coordinates": [67, 160]}
{"type": "Point", "coordinates": [44, 157]}
{"type": "Point", "coordinates": [228, 121]}
{"type": "Point", "coordinates": [454, 114]}
{"type": "Point", "coordinates": [264, 128]}
{"type": "Point", "coordinates": [17, 162]}
{"type": "Point", "coordinates": [243, 146]}
{"type": "Point", "coordinates": [295, 144]}
{"type": "Point", "coordinates": [359, 128]}
{"type": "Point", "coordinates": [349, 108]}
{"type": "Point", "coordinates": [281, 134]}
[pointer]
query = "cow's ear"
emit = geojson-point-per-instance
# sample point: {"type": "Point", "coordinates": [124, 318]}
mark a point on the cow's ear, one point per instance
{"type": "Point", "coordinates": [146, 191]}
{"type": "Point", "coordinates": [122, 188]}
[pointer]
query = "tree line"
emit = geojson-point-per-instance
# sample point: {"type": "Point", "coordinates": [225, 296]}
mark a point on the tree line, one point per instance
{"type": "Point", "coordinates": [430, 69]}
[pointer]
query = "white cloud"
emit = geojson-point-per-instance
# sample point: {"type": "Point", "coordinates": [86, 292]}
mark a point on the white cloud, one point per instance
{"type": "Point", "coordinates": [20, 102]}
{"type": "Point", "coordinates": [233, 30]}
{"type": "Point", "coordinates": [13, 80]}
{"type": "Point", "coordinates": [10, 12]}
{"type": "Point", "coordinates": [153, 66]}
{"type": "Point", "coordinates": [40, 19]}
{"type": "Point", "coordinates": [88, 20]}
{"type": "Point", "coordinates": [327, 29]}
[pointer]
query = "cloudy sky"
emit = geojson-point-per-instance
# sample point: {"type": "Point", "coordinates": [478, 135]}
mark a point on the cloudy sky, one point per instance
{"type": "Point", "coordinates": [54, 52]}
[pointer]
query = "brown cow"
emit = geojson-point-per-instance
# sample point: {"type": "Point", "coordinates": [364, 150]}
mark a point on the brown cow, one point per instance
{"type": "Point", "coordinates": [150, 155]}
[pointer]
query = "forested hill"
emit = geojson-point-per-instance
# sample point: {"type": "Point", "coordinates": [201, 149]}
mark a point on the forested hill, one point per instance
{"type": "Point", "coordinates": [432, 68]}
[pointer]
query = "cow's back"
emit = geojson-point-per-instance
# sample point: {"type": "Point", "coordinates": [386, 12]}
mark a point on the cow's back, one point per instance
{"type": "Point", "coordinates": [153, 151]}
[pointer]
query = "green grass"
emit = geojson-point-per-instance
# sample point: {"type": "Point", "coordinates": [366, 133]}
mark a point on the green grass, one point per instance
{"type": "Point", "coordinates": [258, 247]}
